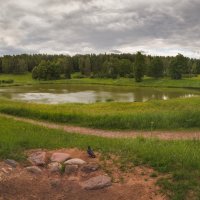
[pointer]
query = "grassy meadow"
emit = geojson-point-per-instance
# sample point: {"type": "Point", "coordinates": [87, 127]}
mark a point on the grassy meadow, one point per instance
{"type": "Point", "coordinates": [174, 114]}
{"type": "Point", "coordinates": [180, 159]}
{"type": "Point", "coordinates": [24, 79]}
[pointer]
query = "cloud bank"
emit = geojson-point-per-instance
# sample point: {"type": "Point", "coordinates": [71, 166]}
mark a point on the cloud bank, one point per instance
{"type": "Point", "coordinates": [159, 27]}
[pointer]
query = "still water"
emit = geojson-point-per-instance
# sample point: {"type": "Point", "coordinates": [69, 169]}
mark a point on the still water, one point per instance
{"type": "Point", "coordinates": [67, 93]}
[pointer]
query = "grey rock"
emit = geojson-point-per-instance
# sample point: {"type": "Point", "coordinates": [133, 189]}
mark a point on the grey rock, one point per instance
{"type": "Point", "coordinates": [71, 169]}
{"type": "Point", "coordinates": [96, 183]}
{"type": "Point", "coordinates": [88, 168]}
{"type": "Point", "coordinates": [54, 167]}
{"type": "Point", "coordinates": [11, 163]}
{"type": "Point", "coordinates": [38, 158]}
{"type": "Point", "coordinates": [34, 170]}
{"type": "Point", "coordinates": [55, 183]}
{"type": "Point", "coordinates": [75, 161]}
{"type": "Point", "coordinates": [60, 157]}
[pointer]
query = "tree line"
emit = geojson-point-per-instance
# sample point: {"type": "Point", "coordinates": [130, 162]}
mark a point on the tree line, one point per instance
{"type": "Point", "coordinates": [48, 67]}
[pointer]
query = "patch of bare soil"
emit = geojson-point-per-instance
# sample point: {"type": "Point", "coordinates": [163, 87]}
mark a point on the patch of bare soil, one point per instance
{"type": "Point", "coordinates": [164, 135]}
{"type": "Point", "coordinates": [135, 184]}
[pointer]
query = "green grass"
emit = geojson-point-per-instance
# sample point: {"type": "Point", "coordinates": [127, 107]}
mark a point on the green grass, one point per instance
{"type": "Point", "coordinates": [181, 159]}
{"type": "Point", "coordinates": [147, 82]}
{"type": "Point", "coordinates": [174, 114]}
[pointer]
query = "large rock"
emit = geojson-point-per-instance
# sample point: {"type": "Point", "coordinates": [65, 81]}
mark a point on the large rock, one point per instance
{"type": "Point", "coordinates": [75, 161]}
{"type": "Point", "coordinates": [60, 157]}
{"type": "Point", "coordinates": [11, 163]}
{"type": "Point", "coordinates": [71, 169]}
{"type": "Point", "coordinates": [38, 158]}
{"type": "Point", "coordinates": [88, 168]}
{"type": "Point", "coordinates": [34, 170]}
{"type": "Point", "coordinates": [96, 183]}
{"type": "Point", "coordinates": [54, 167]}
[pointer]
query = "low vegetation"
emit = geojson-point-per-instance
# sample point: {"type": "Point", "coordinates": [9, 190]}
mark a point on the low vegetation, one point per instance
{"type": "Point", "coordinates": [180, 159]}
{"type": "Point", "coordinates": [8, 81]}
{"type": "Point", "coordinates": [152, 115]}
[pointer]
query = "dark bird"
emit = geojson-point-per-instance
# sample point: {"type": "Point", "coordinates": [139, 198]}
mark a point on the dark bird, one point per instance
{"type": "Point", "coordinates": [90, 152]}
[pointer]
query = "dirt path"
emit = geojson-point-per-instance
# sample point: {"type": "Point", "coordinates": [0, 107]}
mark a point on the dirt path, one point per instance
{"type": "Point", "coordinates": [164, 135]}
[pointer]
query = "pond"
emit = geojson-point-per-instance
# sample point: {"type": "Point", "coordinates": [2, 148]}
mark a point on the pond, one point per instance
{"type": "Point", "coordinates": [67, 93]}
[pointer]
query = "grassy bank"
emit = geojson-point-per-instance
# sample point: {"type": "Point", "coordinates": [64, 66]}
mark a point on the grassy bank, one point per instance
{"type": "Point", "coordinates": [147, 82]}
{"type": "Point", "coordinates": [179, 158]}
{"type": "Point", "coordinates": [153, 115]}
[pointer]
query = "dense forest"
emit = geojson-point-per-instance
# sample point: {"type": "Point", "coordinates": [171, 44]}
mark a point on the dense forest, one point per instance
{"type": "Point", "coordinates": [48, 67]}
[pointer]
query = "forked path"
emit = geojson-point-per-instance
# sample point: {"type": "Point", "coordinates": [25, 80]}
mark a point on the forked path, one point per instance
{"type": "Point", "coordinates": [164, 135]}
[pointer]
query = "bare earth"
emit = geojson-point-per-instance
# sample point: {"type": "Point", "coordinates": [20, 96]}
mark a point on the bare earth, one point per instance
{"type": "Point", "coordinates": [18, 184]}
{"type": "Point", "coordinates": [164, 135]}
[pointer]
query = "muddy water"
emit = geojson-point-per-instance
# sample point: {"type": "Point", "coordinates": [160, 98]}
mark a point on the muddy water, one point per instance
{"type": "Point", "coordinates": [67, 93]}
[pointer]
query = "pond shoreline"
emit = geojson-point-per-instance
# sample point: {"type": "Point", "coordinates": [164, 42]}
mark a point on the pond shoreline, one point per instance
{"type": "Point", "coordinates": [91, 93]}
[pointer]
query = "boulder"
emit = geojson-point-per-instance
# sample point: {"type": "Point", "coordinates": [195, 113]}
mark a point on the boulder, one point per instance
{"type": "Point", "coordinates": [96, 183]}
{"type": "Point", "coordinates": [88, 168]}
{"type": "Point", "coordinates": [60, 157]}
{"type": "Point", "coordinates": [11, 163]}
{"type": "Point", "coordinates": [38, 158]}
{"type": "Point", "coordinates": [34, 170]}
{"type": "Point", "coordinates": [75, 161]}
{"type": "Point", "coordinates": [54, 167]}
{"type": "Point", "coordinates": [71, 169]}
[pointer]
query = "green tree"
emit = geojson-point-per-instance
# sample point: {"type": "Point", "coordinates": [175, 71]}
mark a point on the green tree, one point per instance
{"type": "Point", "coordinates": [46, 70]}
{"type": "Point", "coordinates": [177, 66]}
{"type": "Point", "coordinates": [40, 72]}
{"type": "Point", "coordinates": [139, 67]}
{"type": "Point", "coordinates": [85, 65]}
{"type": "Point", "coordinates": [1, 65]}
{"type": "Point", "coordinates": [111, 68]}
{"type": "Point", "coordinates": [81, 63]}
{"type": "Point", "coordinates": [6, 64]}
{"type": "Point", "coordinates": [194, 68]}
{"type": "Point", "coordinates": [20, 66]}
{"type": "Point", "coordinates": [125, 67]}
{"type": "Point", "coordinates": [66, 66]}
{"type": "Point", "coordinates": [53, 71]}
{"type": "Point", "coordinates": [156, 68]}
{"type": "Point", "coordinates": [198, 66]}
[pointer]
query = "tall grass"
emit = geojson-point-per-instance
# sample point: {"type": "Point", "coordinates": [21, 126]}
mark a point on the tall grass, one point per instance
{"type": "Point", "coordinates": [179, 158]}
{"type": "Point", "coordinates": [153, 115]}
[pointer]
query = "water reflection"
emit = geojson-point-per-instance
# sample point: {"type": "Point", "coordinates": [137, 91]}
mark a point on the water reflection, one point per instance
{"type": "Point", "coordinates": [55, 94]}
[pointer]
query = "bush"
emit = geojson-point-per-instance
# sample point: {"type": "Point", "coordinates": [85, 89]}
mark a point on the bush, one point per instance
{"type": "Point", "coordinates": [131, 75]}
{"type": "Point", "coordinates": [78, 75]}
{"type": "Point", "coordinates": [9, 81]}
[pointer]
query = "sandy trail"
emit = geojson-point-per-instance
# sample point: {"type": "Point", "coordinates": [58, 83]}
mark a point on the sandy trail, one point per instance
{"type": "Point", "coordinates": [164, 135]}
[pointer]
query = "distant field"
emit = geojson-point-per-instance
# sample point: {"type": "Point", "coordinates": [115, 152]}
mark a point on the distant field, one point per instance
{"type": "Point", "coordinates": [174, 114]}
{"type": "Point", "coordinates": [148, 82]}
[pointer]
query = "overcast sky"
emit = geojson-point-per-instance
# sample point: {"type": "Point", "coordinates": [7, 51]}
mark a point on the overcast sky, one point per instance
{"type": "Point", "coordinates": [164, 27]}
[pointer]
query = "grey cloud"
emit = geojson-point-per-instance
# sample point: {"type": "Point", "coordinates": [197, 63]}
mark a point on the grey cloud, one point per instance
{"type": "Point", "coordinates": [85, 26]}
